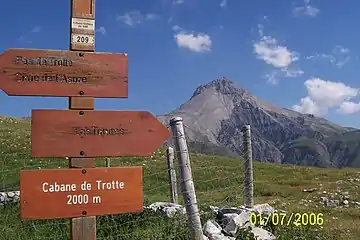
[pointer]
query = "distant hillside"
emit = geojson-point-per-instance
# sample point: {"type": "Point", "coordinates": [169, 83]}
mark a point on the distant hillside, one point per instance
{"type": "Point", "coordinates": [217, 111]}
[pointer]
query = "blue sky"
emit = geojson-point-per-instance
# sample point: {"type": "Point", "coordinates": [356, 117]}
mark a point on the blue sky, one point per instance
{"type": "Point", "coordinates": [295, 54]}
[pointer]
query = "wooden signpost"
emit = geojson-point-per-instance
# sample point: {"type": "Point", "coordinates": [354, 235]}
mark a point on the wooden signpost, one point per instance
{"type": "Point", "coordinates": [90, 133]}
{"type": "Point", "coordinates": [68, 193]}
{"type": "Point", "coordinates": [82, 227]}
{"type": "Point", "coordinates": [80, 133]}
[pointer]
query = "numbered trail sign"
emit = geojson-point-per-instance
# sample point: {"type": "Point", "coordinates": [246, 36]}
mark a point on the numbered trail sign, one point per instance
{"type": "Point", "coordinates": [89, 133]}
{"type": "Point", "coordinates": [67, 193]}
{"type": "Point", "coordinates": [31, 72]}
{"type": "Point", "coordinates": [82, 39]}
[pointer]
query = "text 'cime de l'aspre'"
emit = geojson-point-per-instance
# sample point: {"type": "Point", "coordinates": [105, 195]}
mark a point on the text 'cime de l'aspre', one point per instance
{"type": "Point", "coordinates": [47, 77]}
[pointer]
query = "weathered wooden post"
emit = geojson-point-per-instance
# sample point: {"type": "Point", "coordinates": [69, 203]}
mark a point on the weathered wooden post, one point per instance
{"type": "Point", "coordinates": [82, 38]}
{"type": "Point", "coordinates": [186, 181]}
{"type": "Point", "coordinates": [171, 175]}
{"type": "Point", "coordinates": [248, 168]}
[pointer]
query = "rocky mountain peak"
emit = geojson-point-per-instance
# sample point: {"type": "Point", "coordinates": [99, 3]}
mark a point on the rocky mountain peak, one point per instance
{"type": "Point", "coordinates": [221, 85]}
{"type": "Point", "coordinates": [218, 110]}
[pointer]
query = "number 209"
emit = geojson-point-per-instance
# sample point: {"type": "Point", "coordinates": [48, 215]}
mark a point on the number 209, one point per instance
{"type": "Point", "coordinates": [82, 39]}
{"type": "Point", "coordinates": [77, 199]}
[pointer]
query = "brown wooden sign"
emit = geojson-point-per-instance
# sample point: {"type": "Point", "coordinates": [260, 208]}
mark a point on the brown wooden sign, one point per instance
{"type": "Point", "coordinates": [67, 193]}
{"type": "Point", "coordinates": [31, 72]}
{"type": "Point", "coordinates": [89, 133]}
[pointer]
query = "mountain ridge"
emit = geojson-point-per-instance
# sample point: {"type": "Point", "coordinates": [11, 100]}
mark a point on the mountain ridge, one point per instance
{"type": "Point", "coordinates": [217, 111]}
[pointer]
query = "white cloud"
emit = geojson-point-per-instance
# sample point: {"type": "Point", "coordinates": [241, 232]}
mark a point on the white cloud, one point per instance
{"type": "Point", "coordinates": [269, 50]}
{"type": "Point", "coordinates": [307, 105]}
{"type": "Point", "coordinates": [338, 57]}
{"type": "Point", "coordinates": [178, 2]}
{"type": "Point", "coordinates": [135, 17]}
{"type": "Point", "coordinates": [292, 72]}
{"type": "Point", "coordinates": [101, 30]}
{"type": "Point", "coordinates": [323, 95]}
{"type": "Point", "coordinates": [24, 40]}
{"type": "Point", "coordinates": [275, 75]}
{"type": "Point", "coordinates": [260, 28]}
{"type": "Point", "coordinates": [223, 3]}
{"type": "Point", "coordinates": [176, 28]}
{"type": "Point", "coordinates": [306, 9]}
{"type": "Point", "coordinates": [278, 56]}
{"type": "Point", "coordinates": [329, 93]}
{"type": "Point", "coordinates": [36, 29]}
{"type": "Point", "coordinates": [196, 42]}
{"type": "Point", "coordinates": [349, 108]}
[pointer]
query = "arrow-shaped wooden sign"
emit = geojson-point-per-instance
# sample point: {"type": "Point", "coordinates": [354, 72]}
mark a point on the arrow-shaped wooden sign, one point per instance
{"type": "Point", "coordinates": [89, 133]}
{"type": "Point", "coordinates": [31, 72]}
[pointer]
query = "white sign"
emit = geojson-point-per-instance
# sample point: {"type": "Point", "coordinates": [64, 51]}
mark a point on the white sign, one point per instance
{"type": "Point", "coordinates": [82, 39]}
{"type": "Point", "coordinates": [83, 24]}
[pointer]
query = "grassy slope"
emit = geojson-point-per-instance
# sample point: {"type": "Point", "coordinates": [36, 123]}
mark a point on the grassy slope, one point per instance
{"type": "Point", "coordinates": [218, 181]}
{"type": "Point", "coordinates": [340, 150]}
{"type": "Point", "coordinates": [347, 147]}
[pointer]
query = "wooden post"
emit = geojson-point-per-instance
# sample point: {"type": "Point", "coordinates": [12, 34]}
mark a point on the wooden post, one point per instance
{"type": "Point", "coordinates": [83, 12]}
{"type": "Point", "coordinates": [186, 181]}
{"type": "Point", "coordinates": [172, 175]}
{"type": "Point", "coordinates": [248, 168]}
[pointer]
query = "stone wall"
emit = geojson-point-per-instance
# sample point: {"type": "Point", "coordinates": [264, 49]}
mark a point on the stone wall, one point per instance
{"type": "Point", "coordinates": [9, 197]}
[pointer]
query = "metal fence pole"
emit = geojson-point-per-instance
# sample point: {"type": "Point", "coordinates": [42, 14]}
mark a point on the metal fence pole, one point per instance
{"type": "Point", "coordinates": [248, 168]}
{"type": "Point", "coordinates": [172, 175]}
{"type": "Point", "coordinates": [186, 181]}
{"type": "Point", "coordinates": [107, 162]}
